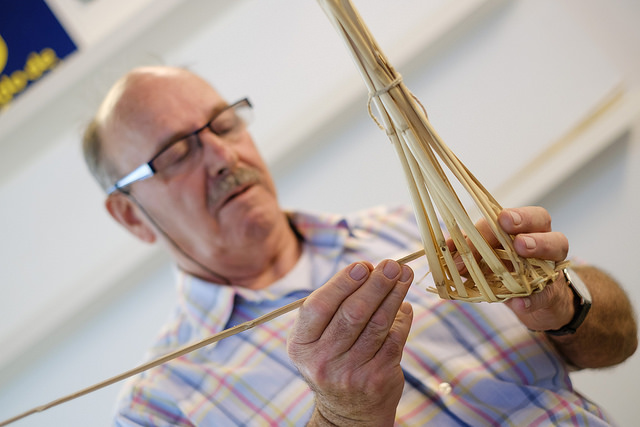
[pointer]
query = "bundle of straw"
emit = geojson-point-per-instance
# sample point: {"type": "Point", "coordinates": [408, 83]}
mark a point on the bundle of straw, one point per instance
{"type": "Point", "coordinates": [424, 157]}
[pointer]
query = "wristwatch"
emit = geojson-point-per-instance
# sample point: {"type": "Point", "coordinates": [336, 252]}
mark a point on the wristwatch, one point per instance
{"type": "Point", "coordinates": [581, 302]}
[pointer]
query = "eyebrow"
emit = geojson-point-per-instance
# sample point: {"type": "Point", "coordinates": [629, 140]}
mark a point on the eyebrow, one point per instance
{"type": "Point", "coordinates": [217, 109]}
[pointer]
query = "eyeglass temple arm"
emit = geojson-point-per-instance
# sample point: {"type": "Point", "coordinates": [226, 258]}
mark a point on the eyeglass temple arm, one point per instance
{"type": "Point", "coordinates": [141, 172]}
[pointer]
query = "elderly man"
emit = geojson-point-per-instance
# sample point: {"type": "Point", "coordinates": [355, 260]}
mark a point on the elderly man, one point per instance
{"type": "Point", "coordinates": [366, 348]}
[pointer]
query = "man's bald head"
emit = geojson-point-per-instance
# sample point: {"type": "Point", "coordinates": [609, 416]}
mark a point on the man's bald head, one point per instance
{"type": "Point", "coordinates": [120, 115]}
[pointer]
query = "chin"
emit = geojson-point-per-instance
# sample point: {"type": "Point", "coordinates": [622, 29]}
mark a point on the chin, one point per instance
{"type": "Point", "coordinates": [260, 223]}
{"type": "Point", "coordinates": [253, 221]}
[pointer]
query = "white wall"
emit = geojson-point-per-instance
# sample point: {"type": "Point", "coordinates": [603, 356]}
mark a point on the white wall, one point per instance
{"type": "Point", "coordinates": [58, 211]}
{"type": "Point", "coordinates": [598, 207]}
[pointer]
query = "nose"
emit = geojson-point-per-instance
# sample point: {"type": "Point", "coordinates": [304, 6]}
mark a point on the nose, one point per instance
{"type": "Point", "coordinates": [219, 156]}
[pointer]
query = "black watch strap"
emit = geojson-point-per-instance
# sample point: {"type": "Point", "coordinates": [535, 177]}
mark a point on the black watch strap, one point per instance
{"type": "Point", "coordinates": [581, 303]}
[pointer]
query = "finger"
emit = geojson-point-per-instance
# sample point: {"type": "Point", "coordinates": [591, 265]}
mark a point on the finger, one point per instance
{"type": "Point", "coordinates": [485, 230]}
{"type": "Point", "coordinates": [391, 351]}
{"type": "Point", "coordinates": [372, 308]}
{"type": "Point", "coordinates": [530, 219]}
{"type": "Point", "coordinates": [524, 306]}
{"type": "Point", "coordinates": [549, 309]}
{"type": "Point", "coordinates": [389, 356]}
{"type": "Point", "coordinates": [553, 246]}
{"type": "Point", "coordinates": [320, 307]}
{"type": "Point", "coordinates": [377, 329]}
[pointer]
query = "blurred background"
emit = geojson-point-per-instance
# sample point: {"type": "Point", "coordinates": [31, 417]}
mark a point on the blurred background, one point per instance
{"type": "Point", "coordinates": [539, 98]}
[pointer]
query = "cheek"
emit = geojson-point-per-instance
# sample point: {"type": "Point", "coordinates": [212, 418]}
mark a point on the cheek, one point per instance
{"type": "Point", "coordinates": [181, 200]}
{"type": "Point", "coordinates": [270, 186]}
{"type": "Point", "coordinates": [257, 210]}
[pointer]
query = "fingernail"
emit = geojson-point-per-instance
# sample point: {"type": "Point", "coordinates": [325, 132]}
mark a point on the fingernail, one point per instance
{"type": "Point", "coordinates": [515, 217]}
{"type": "Point", "coordinates": [526, 302]}
{"type": "Point", "coordinates": [406, 273]}
{"type": "Point", "coordinates": [406, 308]}
{"type": "Point", "coordinates": [358, 272]}
{"type": "Point", "coordinates": [529, 242]}
{"type": "Point", "coordinates": [391, 269]}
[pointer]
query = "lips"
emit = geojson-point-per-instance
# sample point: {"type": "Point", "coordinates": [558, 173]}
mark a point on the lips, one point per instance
{"type": "Point", "coordinates": [234, 194]}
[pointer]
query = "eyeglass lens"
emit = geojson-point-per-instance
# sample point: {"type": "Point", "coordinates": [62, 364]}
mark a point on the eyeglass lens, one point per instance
{"type": "Point", "coordinates": [228, 125]}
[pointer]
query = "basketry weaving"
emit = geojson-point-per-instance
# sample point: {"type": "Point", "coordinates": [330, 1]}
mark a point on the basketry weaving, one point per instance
{"type": "Point", "coordinates": [425, 158]}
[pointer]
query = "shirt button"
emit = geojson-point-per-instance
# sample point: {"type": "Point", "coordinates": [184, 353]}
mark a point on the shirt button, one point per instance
{"type": "Point", "coordinates": [445, 388]}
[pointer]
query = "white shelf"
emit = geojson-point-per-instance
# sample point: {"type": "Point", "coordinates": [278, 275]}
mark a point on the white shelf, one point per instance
{"type": "Point", "coordinates": [616, 116]}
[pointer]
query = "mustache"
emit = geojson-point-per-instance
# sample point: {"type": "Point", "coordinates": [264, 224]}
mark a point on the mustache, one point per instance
{"type": "Point", "coordinates": [230, 182]}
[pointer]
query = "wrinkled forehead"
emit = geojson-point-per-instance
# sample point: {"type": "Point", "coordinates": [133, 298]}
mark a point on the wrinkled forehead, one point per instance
{"type": "Point", "coordinates": [151, 98]}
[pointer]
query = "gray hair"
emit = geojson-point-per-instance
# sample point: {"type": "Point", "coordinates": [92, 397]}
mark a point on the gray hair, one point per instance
{"type": "Point", "coordinates": [103, 169]}
{"type": "Point", "coordinates": [100, 167]}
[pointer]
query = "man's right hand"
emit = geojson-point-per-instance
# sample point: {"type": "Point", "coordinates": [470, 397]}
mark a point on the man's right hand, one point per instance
{"type": "Point", "coordinates": [347, 343]}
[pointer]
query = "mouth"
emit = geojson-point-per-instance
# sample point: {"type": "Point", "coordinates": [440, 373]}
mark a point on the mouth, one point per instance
{"type": "Point", "coordinates": [238, 191]}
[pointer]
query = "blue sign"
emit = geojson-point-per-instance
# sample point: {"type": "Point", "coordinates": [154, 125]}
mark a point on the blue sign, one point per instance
{"type": "Point", "coordinates": [32, 42]}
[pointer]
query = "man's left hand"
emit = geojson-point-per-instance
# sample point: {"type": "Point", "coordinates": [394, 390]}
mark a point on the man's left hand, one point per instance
{"type": "Point", "coordinates": [553, 307]}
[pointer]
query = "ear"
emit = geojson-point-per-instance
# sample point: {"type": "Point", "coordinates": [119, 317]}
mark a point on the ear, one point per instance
{"type": "Point", "coordinates": [127, 213]}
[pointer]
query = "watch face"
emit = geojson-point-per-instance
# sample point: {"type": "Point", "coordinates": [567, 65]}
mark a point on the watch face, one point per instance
{"type": "Point", "coordinates": [578, 285]}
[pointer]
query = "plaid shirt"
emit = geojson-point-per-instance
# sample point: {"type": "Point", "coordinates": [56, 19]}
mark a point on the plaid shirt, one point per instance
{"type": "Point", "coordinates": [464, 364]}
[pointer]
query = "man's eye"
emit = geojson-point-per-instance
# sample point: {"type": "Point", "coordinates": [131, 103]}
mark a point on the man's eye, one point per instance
{"type": "Point", "coordinates": [181, 150]}
{"type": "Point", "coordinates": [175, 154]}
{"type": "Point", "coordinates": [225, 123]}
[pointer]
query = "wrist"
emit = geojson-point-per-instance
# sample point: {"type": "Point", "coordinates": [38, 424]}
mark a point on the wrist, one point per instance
{"type": "Point", "coordinates": [319, 420]}
{"type": "Point", "coordinates": [579, 307]}
{"type": "Point", "coordinates": [566, 307]}
{"type": "Point", "coordinates": [324, 417]}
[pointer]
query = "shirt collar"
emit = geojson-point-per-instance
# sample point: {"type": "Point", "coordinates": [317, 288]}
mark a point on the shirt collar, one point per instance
{"type": "Point", "coordinates": [321, 230]}
{"type": "Point", "coordinates": [206, 305]}
{"type": "Point", "coordinates": [209, 305]}
{"type": "Point", "coordinates": [326, 236]}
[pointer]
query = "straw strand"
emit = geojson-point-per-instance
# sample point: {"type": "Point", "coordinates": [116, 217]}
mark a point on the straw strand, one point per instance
{"type": "Point", "coordinates": [181, 352]}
